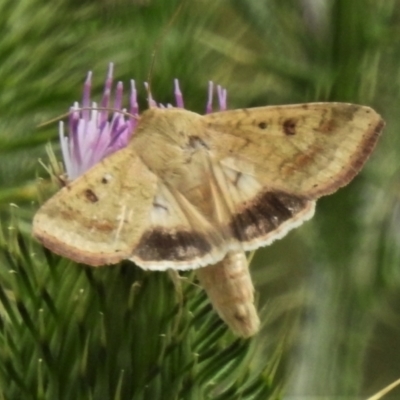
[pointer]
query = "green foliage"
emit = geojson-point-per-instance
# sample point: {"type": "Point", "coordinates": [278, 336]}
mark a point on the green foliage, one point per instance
{"type": "Point", "coordinates": [329, 291]}
{"type": "Point", "coordinates": [70, 332]}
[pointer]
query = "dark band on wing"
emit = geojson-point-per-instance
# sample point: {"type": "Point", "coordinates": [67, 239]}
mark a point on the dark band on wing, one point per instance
{"type": "Point", "coordinates": [264, 214]}
{"type": "Point", "coordinates": [160, 244]}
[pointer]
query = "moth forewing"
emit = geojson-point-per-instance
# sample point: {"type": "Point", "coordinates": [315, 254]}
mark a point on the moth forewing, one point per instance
{"type": "Point", "coordinates": [308, 150]}
{"type": "Point", "coordinates": [230, 289]}
{"type": "Point", "coordinates": [99, 218]}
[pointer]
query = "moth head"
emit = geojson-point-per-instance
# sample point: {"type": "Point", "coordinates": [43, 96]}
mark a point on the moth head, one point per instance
{"type": "Point", "coordinates": [175, 124]}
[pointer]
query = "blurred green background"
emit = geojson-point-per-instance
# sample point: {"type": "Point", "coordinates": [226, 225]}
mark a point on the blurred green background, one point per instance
{"type": "Point", "coordinates": [329, 293]}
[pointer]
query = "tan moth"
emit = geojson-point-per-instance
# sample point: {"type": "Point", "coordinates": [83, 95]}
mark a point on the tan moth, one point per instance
{"type": "Point", "coordinates": [194, 191]}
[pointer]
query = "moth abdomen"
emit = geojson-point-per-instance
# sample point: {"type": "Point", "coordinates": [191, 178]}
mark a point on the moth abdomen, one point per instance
{"type": "Point", "coordinates": [230, 289]}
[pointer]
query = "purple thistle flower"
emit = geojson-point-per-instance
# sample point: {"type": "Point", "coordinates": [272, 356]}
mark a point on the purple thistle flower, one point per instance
{"type": "Point", "coordinates": [95, 132]}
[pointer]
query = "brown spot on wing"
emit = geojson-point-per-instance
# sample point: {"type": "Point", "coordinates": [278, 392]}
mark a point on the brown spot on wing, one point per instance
{"type": "Point", "coordinates": [88, 223]}
{"type": "Point", "coordinates": [264, 214]}
{"type": "Point", "coordinates": [160, 244]}
{"type": "Point", "coordinates": [90, 195]}
{"type": "Point", "coordinates": [101, 226]}
{"type": "Point", "coordinates": [289, 127]}
{"type": "Point", "coordinates": [302, 160]}
{"type": "Point", "coordinates": [327, 125]}
{"type": "Point", "coordinates": [262, 125]}
{"type": "Point", "coordinates": [106, 179]}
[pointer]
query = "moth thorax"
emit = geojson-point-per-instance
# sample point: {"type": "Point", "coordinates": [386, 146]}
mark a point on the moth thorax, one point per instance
{"type": "Point", "coordinates": [230, 289]}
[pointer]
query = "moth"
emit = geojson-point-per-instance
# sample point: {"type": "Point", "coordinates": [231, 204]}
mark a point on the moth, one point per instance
{"type": "Point", "coordinates": [197, 192]}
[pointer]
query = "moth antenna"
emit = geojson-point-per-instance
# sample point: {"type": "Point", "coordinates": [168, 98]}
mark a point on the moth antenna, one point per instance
{"type": "Point", "coordinates": [159, 41]}
{"type": "Point", "coordinates": [62, 116]}
{"type": "Point", "coordinates": [56, 119]}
